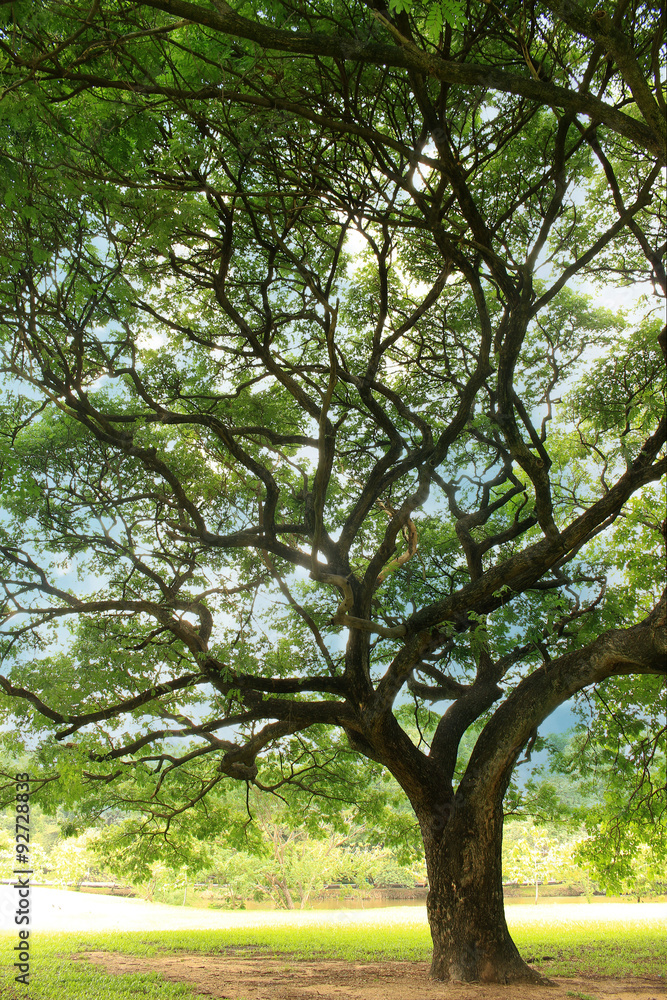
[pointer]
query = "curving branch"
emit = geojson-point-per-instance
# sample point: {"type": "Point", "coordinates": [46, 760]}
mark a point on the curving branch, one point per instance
{"type": "Point", "coordinates": [641, 648]}
{"type": "Point", "coordinates": [225, 20]}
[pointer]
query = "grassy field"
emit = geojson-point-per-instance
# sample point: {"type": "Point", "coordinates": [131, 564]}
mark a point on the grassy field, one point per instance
{"type": "Point", "coordinates": [606, 950]}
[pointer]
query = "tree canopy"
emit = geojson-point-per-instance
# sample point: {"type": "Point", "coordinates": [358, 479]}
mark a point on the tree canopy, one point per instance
{"type": "Point", "coordinates": [307, 417]}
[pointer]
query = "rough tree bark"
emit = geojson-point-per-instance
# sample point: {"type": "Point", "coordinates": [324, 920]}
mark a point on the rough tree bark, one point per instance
{"type": "Point", "coordinates": [462, 830]}
{"type": "Point", "coordinates": [465, 906]}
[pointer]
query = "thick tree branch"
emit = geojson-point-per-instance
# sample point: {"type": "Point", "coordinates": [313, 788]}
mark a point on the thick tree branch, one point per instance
{"type": "Point", "coordinates": [456, 73]}
{"type": "Point", "coordinates": [641, 648]}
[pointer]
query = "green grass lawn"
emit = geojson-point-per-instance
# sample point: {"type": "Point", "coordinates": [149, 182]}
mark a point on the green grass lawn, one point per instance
{"type": "Point", "coordinates": [612, 949]}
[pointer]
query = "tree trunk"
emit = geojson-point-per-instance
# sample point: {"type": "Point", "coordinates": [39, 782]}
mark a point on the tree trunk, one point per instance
{"type": "Point", "coordinates": [471, 942]}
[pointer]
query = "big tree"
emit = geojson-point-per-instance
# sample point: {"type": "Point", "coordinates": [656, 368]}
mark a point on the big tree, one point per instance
{"type": "Point", "coordinates": [306, 417]}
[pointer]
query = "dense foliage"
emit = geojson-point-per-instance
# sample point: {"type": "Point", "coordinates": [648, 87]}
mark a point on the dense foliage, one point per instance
{"type": "Point", "coordinates": [308, 423]}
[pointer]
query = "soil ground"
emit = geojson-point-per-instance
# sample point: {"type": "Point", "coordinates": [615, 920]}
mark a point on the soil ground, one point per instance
{"type": "Point", "coordinates": [240, 977]}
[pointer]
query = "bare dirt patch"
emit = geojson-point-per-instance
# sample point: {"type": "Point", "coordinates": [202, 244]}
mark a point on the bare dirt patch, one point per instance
{"type": "Point", "coordinates": [237, 977]}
